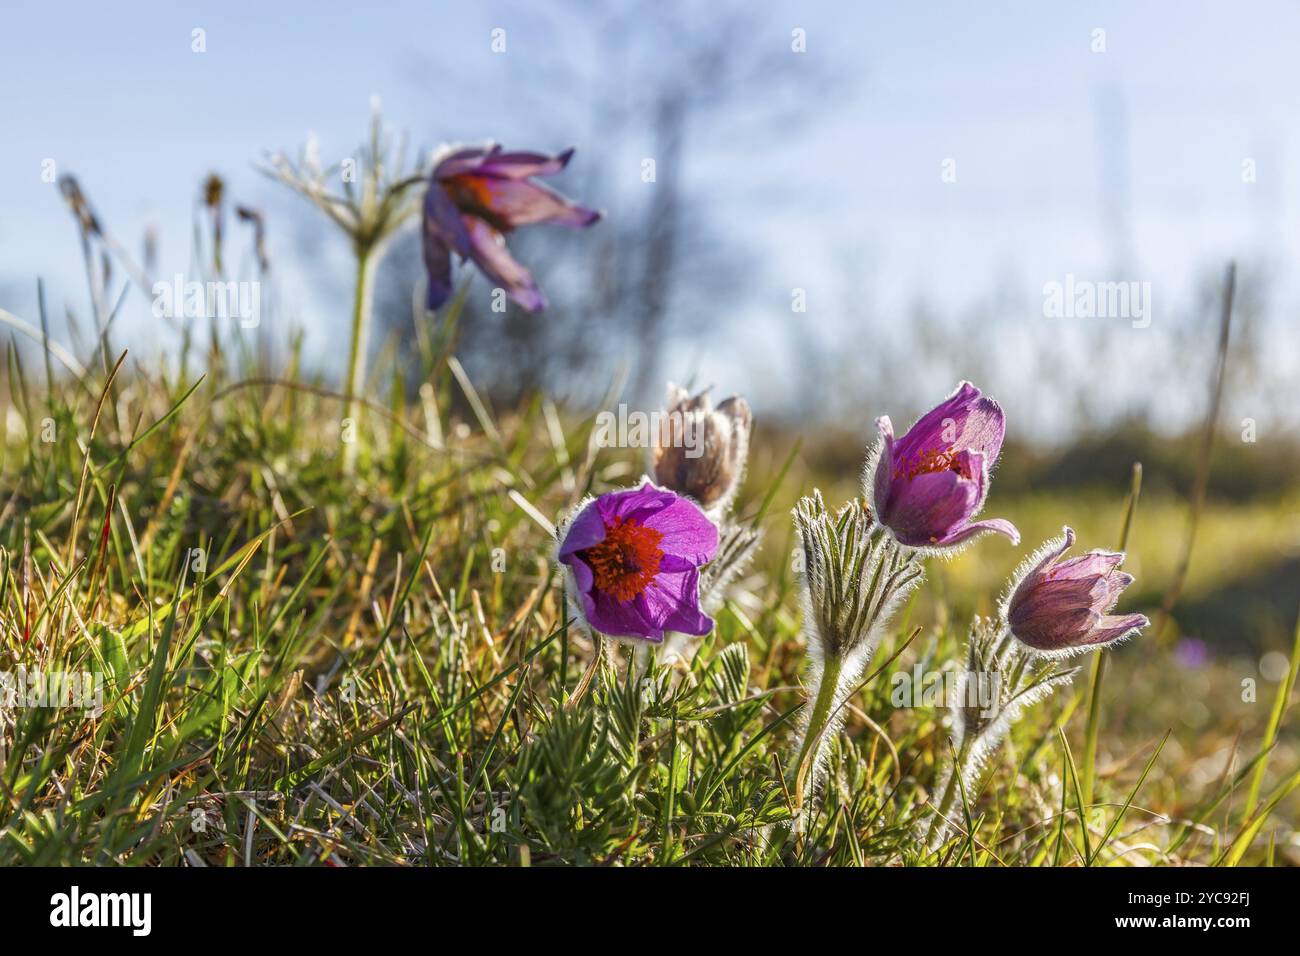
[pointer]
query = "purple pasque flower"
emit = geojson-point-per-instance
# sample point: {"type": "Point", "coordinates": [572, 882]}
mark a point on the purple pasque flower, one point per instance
{"type": "Point", "coordinates": [479, 194]}
{"type": "Point", "coordinates": [634, 558]}
{"type": "Point", "coordinates": [1192, 653]}
{"type": "Point", "coordinates": [1064, 606]}
{"type": "Point", "coordinates": [928, 485]}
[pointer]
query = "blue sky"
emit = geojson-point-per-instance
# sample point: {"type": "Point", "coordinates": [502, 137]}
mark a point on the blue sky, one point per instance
{"type": "Point", "coordinates": [1012, 92]}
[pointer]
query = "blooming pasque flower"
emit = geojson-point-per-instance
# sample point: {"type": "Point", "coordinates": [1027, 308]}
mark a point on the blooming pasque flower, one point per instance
{"type": "Point", "coordinates": [928, 485]}
{"type": "Point", "coordinates": [701, 450]}
{"type": "Point", "coordinates": [476, 196]}
{"type": "Point", "coordinates": [1064, 606]}
{"type": "Point", "coordinates": [634, 559]}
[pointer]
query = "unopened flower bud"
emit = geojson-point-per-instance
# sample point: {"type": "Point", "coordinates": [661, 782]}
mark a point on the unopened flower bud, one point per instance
{"type": "Point", "coordinates": [1063, 607]}
{"type": "Point", "coordinates": [928, 486]}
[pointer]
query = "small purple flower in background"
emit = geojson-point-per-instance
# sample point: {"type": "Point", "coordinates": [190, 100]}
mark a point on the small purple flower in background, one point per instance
{"type": "Point", "coordinates": [1064, 606]}
{"type": "Point", "coordinates": [1192, 653]}
{"type": "Point", "coordinates": [476, 196]}
{"type": "Point", "coordinates": [634, 559]}
{"type": "Point", "coordinates": [928, 485]}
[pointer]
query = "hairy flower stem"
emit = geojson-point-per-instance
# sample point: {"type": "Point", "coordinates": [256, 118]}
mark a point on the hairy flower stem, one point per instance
{"type": "Point", "coordinates": [1019, 678]}
{"type": "Point", "coordinates": [855, 577]}
{"type": "Point", "coordinates": [815, 736]}
{"type": "Point", "coordinates": [361, 307]}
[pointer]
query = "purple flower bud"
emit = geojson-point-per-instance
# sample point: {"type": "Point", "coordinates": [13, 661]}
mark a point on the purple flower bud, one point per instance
{"type": "Point", "coordinates": [633, 560]}
{"type": "Point", "coordinates": [927, 486]}
{"type": "Point", "coordinates": [476, 196]}
{"type": "Point", "coordinates": [1062, 607]}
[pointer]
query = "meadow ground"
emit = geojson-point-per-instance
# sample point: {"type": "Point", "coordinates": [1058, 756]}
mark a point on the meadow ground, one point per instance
{"type": "Point", "coordinates": [303, 665]}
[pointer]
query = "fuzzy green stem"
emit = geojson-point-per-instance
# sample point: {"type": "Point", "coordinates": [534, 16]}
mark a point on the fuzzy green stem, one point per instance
{"type": "Point", "coordinates": [361, 304]}
{"type": "Point", "coordinates": [823, 707]}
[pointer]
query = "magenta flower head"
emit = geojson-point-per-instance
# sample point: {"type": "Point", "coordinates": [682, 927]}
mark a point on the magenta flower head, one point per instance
{"type": "Point", "coordinates": [927, 486]}
{"type": "Point", "coordinates": [633, 559]}
{"type": "Point", "coordinates": [479, 194]}
{"type": "Point", "coordinates": [1063, 607]}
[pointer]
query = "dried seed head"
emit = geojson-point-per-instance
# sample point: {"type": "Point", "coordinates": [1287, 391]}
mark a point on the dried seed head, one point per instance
{"type": "Point", "coordinates": [76, 200]}
{"type": "Point", "coordinates": [258, 222]}
{"type": "Point", "coordinates": [213, 189]}
{"type": "Point", "coordinates": [701, 450]}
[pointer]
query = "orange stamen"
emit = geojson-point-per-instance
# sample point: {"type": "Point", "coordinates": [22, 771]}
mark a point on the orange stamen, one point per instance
{"type": "Point", "coordinates": [932, 460]}
{"type": "Point", "coordinates": [627, 560]}
{"type": "Point", "coordinates": [470, 190]}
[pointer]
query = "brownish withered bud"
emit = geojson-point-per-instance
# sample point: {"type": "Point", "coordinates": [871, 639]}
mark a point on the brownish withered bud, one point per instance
{"type": "Point", "coordinates": [76, 200]}
{"type": "Point", "coordinates": [701, 450]}
{"type": "Point", "coordinates": [213, 189]}
{"type": "Point", "coordinates": [258, 222]}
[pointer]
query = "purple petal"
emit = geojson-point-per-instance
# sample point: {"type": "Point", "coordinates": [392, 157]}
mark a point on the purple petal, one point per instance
{"type": "Point", "coordinates": [584, 581]}
{"type": "Point", "coordinates": [999, 525]}
{"type": "Point", "coordinates": [672, 603]}
{"type": "Point", "coordinates": [584, 577]}
{"type": "Point", "coordinates": [1036, 573]}
{"type": "Point", "coordinates": [437, 265]}
{"type": "Point", "coordinates": [466, 159]}
{"type": "Point", "coordinates": [986, 426]}
{"type": "Point", "coordinates": [488, 250]}
{"type": "Point", "coordinates": [930, 507]}
{"type": "Point", "coordinates": [1052, 555]}
{"type": "Point", "coordinates": [635, 504]}
{"type": "Point", "coordinates": [1057, 631]}
{"type": "Point", "coordinates": [621, 618]}
{"type": "Point", "coordinates": [965, 420]}
{"type": "Point", "coordinates": [1086, 565]}
{"type": "Point", "coordinates": [442, 220]}
{"type": "Point", "coordinates": [687, 533]}
{"type": "Point", "coordinates": [1048, 599]}
{"type": "Point", "coordinates": [1114, 584]}
{"type": "Point", "coordinates": [521, 165]}
{"type": "Point", "coordinates": [520, 203]}
{"type": "Point", "coordinates": [1113, 627]}
{"type": "Point", "coordinates": [927, 434]}
{"type": "Point", "coordinates": [586, 531]}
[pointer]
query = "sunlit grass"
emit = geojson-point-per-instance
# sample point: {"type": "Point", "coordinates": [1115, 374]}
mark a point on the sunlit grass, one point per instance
{"type": "Point", "coordinates": [306, 668]}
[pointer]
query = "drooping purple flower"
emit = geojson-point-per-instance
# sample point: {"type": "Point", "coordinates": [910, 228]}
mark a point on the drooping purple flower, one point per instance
{"type": "Point", "coordinates": [927, 486]}
{"type": "Point", "coordinates": [1064, 606]}
{"type": "Point", "coordinates": [479, 194]}
{"type": "Point", "coordinates": [634, 558]}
